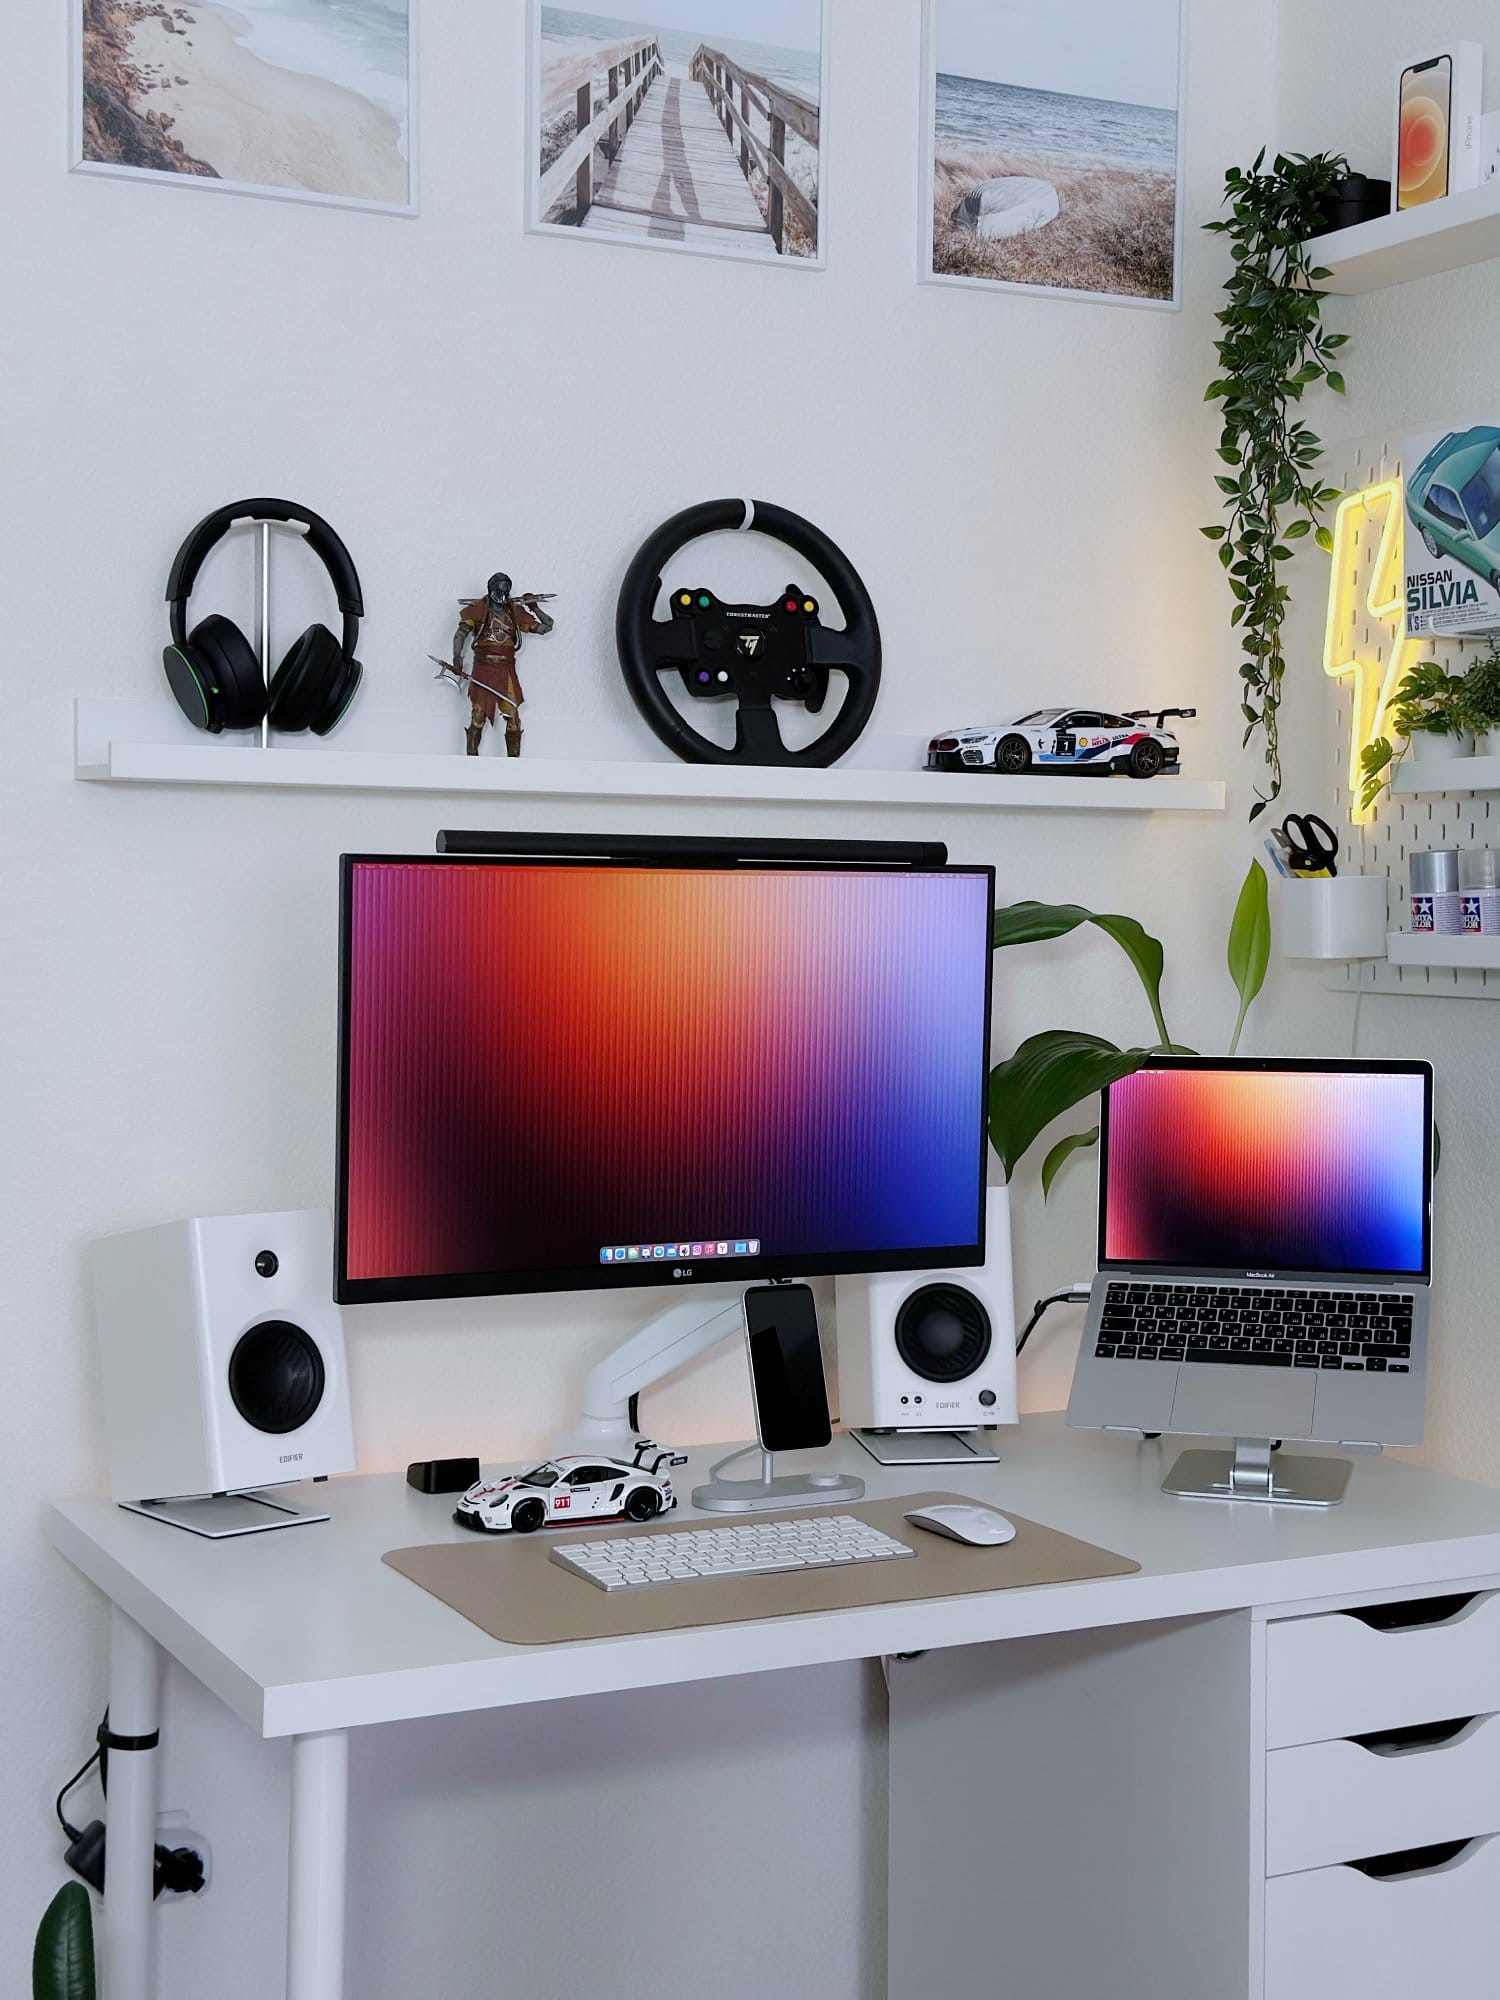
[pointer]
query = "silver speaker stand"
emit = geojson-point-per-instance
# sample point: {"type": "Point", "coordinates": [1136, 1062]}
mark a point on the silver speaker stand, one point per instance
{"type": "Point", "coordinates": [1254, 1470]}
{"type": "Point", "coordinates": [773, 1490]}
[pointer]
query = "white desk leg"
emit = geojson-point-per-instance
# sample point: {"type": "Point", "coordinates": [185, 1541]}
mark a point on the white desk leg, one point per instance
{"type": "Point", "coordinates": [316, 1866]}
{"type": "Point", "coordinates": [135, 1672]}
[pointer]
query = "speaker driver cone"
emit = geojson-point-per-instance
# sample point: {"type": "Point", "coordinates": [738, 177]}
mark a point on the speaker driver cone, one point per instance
{"type": "Point", "coordinates": [942, 1333]}
{"type": "Point", "coordinates": [276, 1376]}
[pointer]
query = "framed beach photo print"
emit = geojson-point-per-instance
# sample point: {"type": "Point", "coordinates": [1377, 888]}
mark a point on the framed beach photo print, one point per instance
{"type": "Point", "coordinates": [690, 125]}
{"type": "Point", "coordinates": [1053, 147]}
{"type": "Point", "coordinates": [298, 99]}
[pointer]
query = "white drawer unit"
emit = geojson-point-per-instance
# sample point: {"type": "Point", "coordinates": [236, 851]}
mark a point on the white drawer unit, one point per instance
{"type": "Point", "coordinates": [1335, 1931]}
{"type": "Point", "coordinates": [1333, 1802]}
{"type": "Point", "coordinates": [1337, 1675]}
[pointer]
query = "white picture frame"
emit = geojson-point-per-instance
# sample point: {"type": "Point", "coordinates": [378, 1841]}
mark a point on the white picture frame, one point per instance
{"type": "Point", "coordinates": [634, 226]}
{"type": "Point", "coordinates": [935, 267]}
{"type": "Point", "coordinates": [78, 163]}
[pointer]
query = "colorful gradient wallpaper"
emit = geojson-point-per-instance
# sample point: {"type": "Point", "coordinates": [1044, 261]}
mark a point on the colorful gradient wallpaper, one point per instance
{"type": "Point", "coordinates": [1267, 1170]}
{"type": "Point", "coordinates": [544, 1061]}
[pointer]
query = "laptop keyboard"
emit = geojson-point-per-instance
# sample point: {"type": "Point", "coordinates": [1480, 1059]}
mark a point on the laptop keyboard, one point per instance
{"type": "Point", "coordinates": [1367, 1332]}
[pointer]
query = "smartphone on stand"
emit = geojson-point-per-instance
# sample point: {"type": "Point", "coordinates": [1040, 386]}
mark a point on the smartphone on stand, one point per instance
{"type": "Point", "coordinates": [786, 1368]}
{"type": "Point", "coordinates": [1422, 149]}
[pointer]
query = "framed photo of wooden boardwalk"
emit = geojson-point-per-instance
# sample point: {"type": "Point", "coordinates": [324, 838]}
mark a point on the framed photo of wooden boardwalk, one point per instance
{"type": "Point", "coordinates": [1053, 147]}
{"type": "Point", "coordinates": [692, 125]}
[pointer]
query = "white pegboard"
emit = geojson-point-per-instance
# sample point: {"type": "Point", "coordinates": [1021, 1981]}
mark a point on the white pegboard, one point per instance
{"type": "Point", "coordinates": [1405, 825]}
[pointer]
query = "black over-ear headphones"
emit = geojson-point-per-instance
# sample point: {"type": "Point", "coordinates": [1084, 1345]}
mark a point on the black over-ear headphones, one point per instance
{"type": "Point", "coordinates": [214, 672]}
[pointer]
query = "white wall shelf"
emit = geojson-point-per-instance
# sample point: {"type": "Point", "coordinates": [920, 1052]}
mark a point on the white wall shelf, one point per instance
{"type": "Point", "coordinates": [1444, 235]}
{"type": "Point", "coordinates": [109, 750]}
{"type": "Point", "coordinates": [1421, 948]}
{"type": "Point", "coordinates": [1448, 774]}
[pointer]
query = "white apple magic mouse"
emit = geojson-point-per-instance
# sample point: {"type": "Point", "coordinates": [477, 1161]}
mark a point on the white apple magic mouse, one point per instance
{"type": "Point", "coordinates": [980, 1527]}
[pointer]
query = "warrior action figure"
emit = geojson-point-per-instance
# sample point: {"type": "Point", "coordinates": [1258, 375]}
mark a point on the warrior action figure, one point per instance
{"type": "Point", "coordinates": [493, 627]}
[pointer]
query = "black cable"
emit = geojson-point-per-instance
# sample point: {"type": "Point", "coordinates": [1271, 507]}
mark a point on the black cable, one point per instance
{"type": "Point", "coordinates": [1072, 1297]}
{"type": "Point", "coordinates": [77, 1779]}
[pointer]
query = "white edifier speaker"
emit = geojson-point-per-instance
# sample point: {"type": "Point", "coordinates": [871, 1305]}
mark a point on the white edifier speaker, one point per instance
{"type": "Point", "coordinates": [223, 1355]}
{"type": "Point", "coordinates": [931, 1350]}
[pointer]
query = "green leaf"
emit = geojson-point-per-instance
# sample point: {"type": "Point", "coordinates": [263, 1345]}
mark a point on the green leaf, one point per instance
{"type": "Point", "coordinates": [1030, 923]}
{"type": "Point", "coordinates": [1214, 534]}
{"type": "Point", "coordinates": [1048, 1074]}
{"type": "Point", "coordinates": [1249, 943]}
{"type": "Point", "coordinates": [1063, 1150]}
{"type": "Point", "coordinates": [1325, 540]}
{"type": "Point", "coordinates": [62, 1964]}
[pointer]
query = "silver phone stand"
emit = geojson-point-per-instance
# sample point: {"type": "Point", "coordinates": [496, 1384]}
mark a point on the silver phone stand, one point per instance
{"type": "Point", "coordinates": [773, 1490]}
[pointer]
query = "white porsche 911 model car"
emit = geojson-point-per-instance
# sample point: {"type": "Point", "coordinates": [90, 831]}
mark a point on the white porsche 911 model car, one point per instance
{"type": "Point", "coordinates": [562, 1491]}
{"type": "Point", "coordinates": [1139, 744]}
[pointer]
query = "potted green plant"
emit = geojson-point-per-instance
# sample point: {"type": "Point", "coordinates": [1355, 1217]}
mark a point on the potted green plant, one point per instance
{"type": "Point", "coordinates": [1060, 1068]}
{"type": "Point", "coordinates": [1271, 352]}
{"type": "Point", "coordinates": [62, 1963]}
{"type": "Point", "coordinates": [1481, 703]}
{"type": "Point", "coordinates": [1429, 715]}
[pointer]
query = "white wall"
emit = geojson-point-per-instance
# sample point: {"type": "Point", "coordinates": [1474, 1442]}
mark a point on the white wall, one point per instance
{"type": "Point", "coordinates": [1020, 479]}
{"type": "Point", "coordinates": [1420, 356]}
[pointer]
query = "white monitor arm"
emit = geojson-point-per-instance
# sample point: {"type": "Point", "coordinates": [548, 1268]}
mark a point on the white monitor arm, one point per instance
{"type": "Point", "coordinates": [667, 1342]}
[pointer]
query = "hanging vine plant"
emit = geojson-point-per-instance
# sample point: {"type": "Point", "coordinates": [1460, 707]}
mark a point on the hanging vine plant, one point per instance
{"type": "Point", "coordinates": [1272, 350]}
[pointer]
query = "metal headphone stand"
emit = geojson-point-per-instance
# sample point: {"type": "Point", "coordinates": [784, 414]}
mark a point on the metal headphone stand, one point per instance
{"type": "Point", "coordinates": [263, 617]}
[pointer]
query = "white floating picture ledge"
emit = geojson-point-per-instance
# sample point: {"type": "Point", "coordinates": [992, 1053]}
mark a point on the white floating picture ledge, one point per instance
{"type": "Point", "coordinates": [1445, 235]}
{"type": "Point", "coordinates": [118, 742]}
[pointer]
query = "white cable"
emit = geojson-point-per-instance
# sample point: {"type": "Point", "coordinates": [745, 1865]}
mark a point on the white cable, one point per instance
{"type": "Point", "coordinates": [749, 521]}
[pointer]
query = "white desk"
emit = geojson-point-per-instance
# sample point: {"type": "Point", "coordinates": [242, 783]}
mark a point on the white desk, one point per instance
{"type": "Point", "coordinates": [306, 1634]}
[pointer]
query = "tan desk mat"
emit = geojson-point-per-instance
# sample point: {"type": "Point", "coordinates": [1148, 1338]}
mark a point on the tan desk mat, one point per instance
{"type": "Point", "coordinates": [511, 1589]}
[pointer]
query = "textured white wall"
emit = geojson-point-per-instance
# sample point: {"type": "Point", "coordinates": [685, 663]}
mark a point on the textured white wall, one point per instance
{"type": "Point", "coordinates": [1421, 356]}
{"type": "Point", "coordinates": [1020, 479]}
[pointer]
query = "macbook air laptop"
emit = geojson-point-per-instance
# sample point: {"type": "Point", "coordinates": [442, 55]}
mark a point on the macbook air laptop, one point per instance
{"type": "Point", "coordinates": [1265, 1262]}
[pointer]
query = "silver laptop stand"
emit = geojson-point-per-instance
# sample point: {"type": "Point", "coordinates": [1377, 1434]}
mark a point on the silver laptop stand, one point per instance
{"type": "Point", "coordinates": [1255, 1471]}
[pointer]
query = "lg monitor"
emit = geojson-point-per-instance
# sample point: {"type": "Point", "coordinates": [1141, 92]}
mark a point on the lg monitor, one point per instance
{"type": "Point", "coordinates": [564, 1073]}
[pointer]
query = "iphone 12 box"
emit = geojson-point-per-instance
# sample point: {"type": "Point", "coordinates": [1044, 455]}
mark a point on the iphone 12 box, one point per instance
{"type": "Point", "coordinates": [1438, 135]}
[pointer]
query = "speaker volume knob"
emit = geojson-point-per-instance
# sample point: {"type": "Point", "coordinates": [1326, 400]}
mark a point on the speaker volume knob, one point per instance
{"type": "Point", "coordinates": [987, 1398]}
{"type": "Point", "coordinates": [267, 1263]}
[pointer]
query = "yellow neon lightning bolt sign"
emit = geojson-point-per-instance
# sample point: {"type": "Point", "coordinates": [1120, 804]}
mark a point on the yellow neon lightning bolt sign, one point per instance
{"type": "Point", "coordinates": [1384, 602]}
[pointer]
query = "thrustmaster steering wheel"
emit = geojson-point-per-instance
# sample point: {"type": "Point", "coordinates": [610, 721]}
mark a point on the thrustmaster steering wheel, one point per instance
{"type": "Point", "coordinates": [748, 653]}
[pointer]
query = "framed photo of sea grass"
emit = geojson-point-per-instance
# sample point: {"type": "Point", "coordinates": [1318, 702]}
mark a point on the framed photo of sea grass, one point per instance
{"type": "Point", "coordinates": [297, 99]}
{"type": "Point", "coordinates": [691, 125]}
{"type": "Point", "coordinates": [1053, 147]}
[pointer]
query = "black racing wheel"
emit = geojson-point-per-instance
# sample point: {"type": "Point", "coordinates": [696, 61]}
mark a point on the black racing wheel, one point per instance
{"type": "Point", "coordinates": [1013, 755]}
{"type": "Point", "coordinates": [527, 1517]}
{"type": "Point", "coordinates": [1147, 758]}
{"type": "Point", "coordinates": [746, 653]}
{"type": "Point", "coordinates": [643, 1505]}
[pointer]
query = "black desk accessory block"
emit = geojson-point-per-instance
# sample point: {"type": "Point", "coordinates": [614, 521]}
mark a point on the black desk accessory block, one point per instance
{"type": "Point", "coordinates": [443, 1475]}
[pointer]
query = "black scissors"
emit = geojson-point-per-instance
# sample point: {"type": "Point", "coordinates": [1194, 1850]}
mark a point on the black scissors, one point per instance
{"type": "Point", "coordinates": [1312, 846]}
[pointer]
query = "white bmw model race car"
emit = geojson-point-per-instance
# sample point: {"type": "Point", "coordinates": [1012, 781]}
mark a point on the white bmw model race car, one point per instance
{"type": "Point", "coordinates": [562, 1491]}
{"type": "Point", "coordinates": [1064, 739]}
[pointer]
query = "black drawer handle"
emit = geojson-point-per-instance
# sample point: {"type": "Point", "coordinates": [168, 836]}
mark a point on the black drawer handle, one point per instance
{"type": "Point", "coordinates": [1414, 1736]}
{"type": "Point", "coordinates": [1415, 1611]}
{"type": "Point", "coordinates": [1410, 1861]}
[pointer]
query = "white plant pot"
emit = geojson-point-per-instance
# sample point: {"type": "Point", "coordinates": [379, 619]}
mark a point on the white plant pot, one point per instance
{"type": "Point", "coordinates": [1488, 745]}
{"type": "Point", "coordinates": [1429, 748]}
{"type": "Point", "coordinates": [1343, 917]}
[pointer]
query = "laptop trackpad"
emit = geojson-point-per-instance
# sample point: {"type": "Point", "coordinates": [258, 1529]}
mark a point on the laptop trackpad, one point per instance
{"type": "Point", "coordinates": [1244, 1402]}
